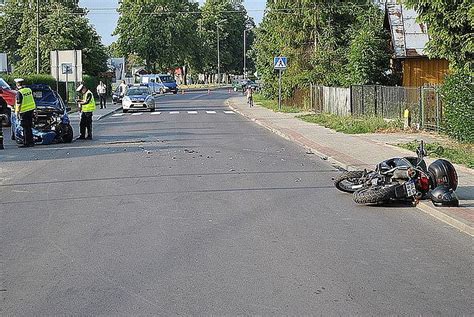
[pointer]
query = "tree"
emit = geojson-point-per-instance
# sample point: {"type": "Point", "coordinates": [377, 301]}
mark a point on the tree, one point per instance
{"type": "Point", "coordinates": [161, 32]}
{"type": "Point", "coordinates": [63, 26]}
{"type": "Point", "coordinates": [230, 17]}
{"type": "Point", "coordinates": [323, 40]}
{"type": "Point", "coordinates": [369, 53]}
{"type": "Point", "coordinates": [451, 29]}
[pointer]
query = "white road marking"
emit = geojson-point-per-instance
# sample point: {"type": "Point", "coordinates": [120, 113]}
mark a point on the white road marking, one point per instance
{"type": "Point", "coordinates": [154, 113]}
{"type": "Point", "coordinates": [229, 112]}
{"type": "Point", "coordinates": [211, 112]}
{"type": "Point", "coordinates": [192, 112]}
{"type": "Point", "coordinates": [117, 115]}
{"type": "Point", "coordinates": [137, 114]}
{"type": "Point", "coordinates": [174, 112]}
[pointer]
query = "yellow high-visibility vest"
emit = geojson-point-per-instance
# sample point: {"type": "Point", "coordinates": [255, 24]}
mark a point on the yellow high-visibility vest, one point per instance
{"type": "Point", "coordinates": [89, 107]}
{"type": "Point", "coordinates": [27, 102]}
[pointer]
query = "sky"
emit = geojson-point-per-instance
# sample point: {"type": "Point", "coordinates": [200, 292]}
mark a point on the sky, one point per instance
{"type": "Point", "coordinates": [106, 20]}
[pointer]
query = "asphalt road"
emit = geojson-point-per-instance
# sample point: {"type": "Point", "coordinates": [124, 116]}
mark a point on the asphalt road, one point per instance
{"type": "Point", "coordinates": [202, 212]}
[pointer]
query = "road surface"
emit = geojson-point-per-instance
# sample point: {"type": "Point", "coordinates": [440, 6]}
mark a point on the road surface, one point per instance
{"type": "Point", "coordinates": [193, 210]}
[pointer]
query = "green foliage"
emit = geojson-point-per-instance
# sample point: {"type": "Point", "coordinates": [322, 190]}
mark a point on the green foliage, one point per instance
{"type": "Point", "coordinates": [458, 106]}
{"type": "Point", "coordinates": [353, 125]}
{"type": "Point", "coordinates": [164, 40]}
{"type": "Point", "coordinates": [63, 26]}
{"type": "Point", "coordinates": [230, 17]}
{"type": "Point", "coordinates": [334, 44]}
{"type": "Point", "coordinates": [454, 152]}
{"type": "Point", "coordinates": [369, 54]}
{"type": "Point", "coordinates": [451, 29]}
{"type": "Point", "coordinates": [273, 104]}
{"type": "Point", "coordinates": [31, 79]}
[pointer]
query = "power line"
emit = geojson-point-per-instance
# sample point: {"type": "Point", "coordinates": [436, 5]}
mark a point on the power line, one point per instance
{"type": "Point", "coordinates": [112, 10]}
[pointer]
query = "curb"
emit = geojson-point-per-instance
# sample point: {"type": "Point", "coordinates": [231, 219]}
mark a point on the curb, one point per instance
{"type": "Point", "coordinates": [453, 222]}
{"type": "Point", "coordinates": [336, 163]}
{"type": "Point", "coordinates": [108, 114]}
{"type": "Point", "coordinates": [203, 89]}
{"type": "Point", "coordinates": [423, 206]}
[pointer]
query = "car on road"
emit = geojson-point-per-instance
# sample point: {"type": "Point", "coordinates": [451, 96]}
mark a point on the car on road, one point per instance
{"type": "Point", "coordinates": [161, 83]}
{"type": "Point", "coordinates": [7, 101]}
{"type": "Point", "coordinates": [138, 98]}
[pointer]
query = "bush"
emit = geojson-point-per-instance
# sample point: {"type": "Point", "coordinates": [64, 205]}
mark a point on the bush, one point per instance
{"type": "Point", "coordinates": [458, 106]}
{"type": "Point", "coordinates": [31, 79]}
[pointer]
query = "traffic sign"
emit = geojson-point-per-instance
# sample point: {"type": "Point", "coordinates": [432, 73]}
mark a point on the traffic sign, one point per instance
{"type": "Point", "coordinates": [280, 62]}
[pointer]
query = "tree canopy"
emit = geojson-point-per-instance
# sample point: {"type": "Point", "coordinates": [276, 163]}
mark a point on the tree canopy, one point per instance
{"type": "Point", "coordinates": [327, 43]}
{"type": "Point", "coordinates": [161, 32]}
{"type": "Point", "coordinates": [451, 29]}
{"type": "Point", "coordinates": [63, 26]}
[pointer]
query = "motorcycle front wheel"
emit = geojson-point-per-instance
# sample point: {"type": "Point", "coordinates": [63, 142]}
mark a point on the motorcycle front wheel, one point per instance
{"type": "Point", "coordinates": [375, 194]}
{"type": "Point", "coordinates": [349, 182]}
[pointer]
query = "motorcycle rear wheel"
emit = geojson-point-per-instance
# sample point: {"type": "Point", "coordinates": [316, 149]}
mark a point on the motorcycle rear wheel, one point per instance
{"type": "Point", "coordinates": [375, 194]}
{"type": "Point", "coordinates": [347, 180]}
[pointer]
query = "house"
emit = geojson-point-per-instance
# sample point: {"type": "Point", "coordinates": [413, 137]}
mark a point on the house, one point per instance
{"type": "Point", "coordinates": [408, 42]}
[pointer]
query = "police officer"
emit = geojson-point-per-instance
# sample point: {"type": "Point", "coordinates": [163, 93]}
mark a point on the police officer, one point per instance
{"type": "Point", "coordinates": [3, 118]}
{"type": "Point", "coordinates": [87, 108]}
{"type": "Point", "coordinates": [25, 111]}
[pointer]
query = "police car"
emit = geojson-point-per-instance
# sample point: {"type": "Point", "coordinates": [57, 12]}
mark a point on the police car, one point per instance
{"type": "Point", "coordinates": [139, 98]}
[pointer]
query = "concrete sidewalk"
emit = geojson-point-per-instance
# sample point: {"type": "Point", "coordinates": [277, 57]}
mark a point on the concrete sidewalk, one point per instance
{"type": "Point", "coordinates": [355, 152]}
{"type": "Point", "coordinates": [100, 113]}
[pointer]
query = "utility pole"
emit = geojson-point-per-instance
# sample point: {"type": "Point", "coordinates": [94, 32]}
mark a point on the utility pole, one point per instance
{"type": "Point", "coordinates": [218, 57]}
{"type": "Point", "coordinates": [219, 52]}
{"type": "Point", "coordinates": [245, 54]}
{"type": "Point", "coordinates": [37, 38]}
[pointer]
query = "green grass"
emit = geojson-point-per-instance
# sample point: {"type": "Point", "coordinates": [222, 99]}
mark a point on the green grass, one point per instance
{"type": "Point", "coordinates": [460, 153]}
{"type": "Point", "coordinates": [353, 125]}
{"type": "Point", "coordinates": [273, 104]}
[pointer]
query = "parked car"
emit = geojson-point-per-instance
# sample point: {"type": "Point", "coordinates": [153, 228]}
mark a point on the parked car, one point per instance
{"type": "Point", "coordinates": [117, 96]}
{"type": "Point", "coordinates": [160, 83]}
{"type": "Point", "coordinates": [139, 97]}
{"type": "Point", "coordinates": [240, 85]}
{"type": "Point", "coordinates": [7, 101]}
{"type": "Point", "coordinates": [51, 123]}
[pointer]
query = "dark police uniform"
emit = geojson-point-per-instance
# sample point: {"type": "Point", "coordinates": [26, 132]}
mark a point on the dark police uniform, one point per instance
{"type": "Point", "coordinates": [27, 107]}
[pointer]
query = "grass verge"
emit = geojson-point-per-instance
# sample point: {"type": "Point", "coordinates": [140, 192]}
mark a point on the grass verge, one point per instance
{"type": "Point", "coordinates": [273, 104]}
{"type": "Point", "coordinates": [460, 153]}
{"type": "Point", "coordinates": [353, 125]}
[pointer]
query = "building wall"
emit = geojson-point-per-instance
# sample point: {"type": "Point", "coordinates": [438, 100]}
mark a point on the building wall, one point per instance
{"type": "Point", "coordinates": [423, 71]}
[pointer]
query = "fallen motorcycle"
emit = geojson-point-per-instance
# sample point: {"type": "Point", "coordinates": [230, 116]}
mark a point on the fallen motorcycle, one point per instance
{"type": "Point", "coordinates": [51, 123]}
{"type": "Point", "coordinates": [403, 179]}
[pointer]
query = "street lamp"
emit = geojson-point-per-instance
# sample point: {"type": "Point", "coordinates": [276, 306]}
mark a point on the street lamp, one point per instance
{"type": "Point", "coordinates": [245, 54]}
{"type": "Point", "coordinates": [219, 52]}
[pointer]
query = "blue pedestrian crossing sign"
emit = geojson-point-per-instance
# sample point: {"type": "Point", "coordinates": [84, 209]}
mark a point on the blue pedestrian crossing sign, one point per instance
{"type": "Point", "coordinates": [280, 62]}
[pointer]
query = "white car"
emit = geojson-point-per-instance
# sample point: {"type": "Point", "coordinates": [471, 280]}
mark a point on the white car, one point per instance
{"type": "Point", "coordinates": [139, 98]}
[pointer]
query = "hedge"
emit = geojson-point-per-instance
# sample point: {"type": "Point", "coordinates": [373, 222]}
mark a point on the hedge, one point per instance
{"type": "Point", "coordinates": [458, 106]}
{"type": "Point", "coordinates": [91, 82]}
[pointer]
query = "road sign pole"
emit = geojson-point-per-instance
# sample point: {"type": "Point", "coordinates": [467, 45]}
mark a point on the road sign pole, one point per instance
{"type": "Point", "coordinates": [279, 90]}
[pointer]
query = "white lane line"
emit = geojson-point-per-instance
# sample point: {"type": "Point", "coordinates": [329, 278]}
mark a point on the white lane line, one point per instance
{"type": "Point", "coordinates": [174, 112]}
{"type": "Point", "coordinates": [117, 115]}
{"type": "Point", "coordinates": [155, 113]}
{"type": "Point", "coordinates": [137, 114]}
{"type": "Point", "coordinates": [192, 112]}
{"type": "Point", "coordinates": [211, 112]}
{"type": "Point", "coordinates": [229, 112]}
